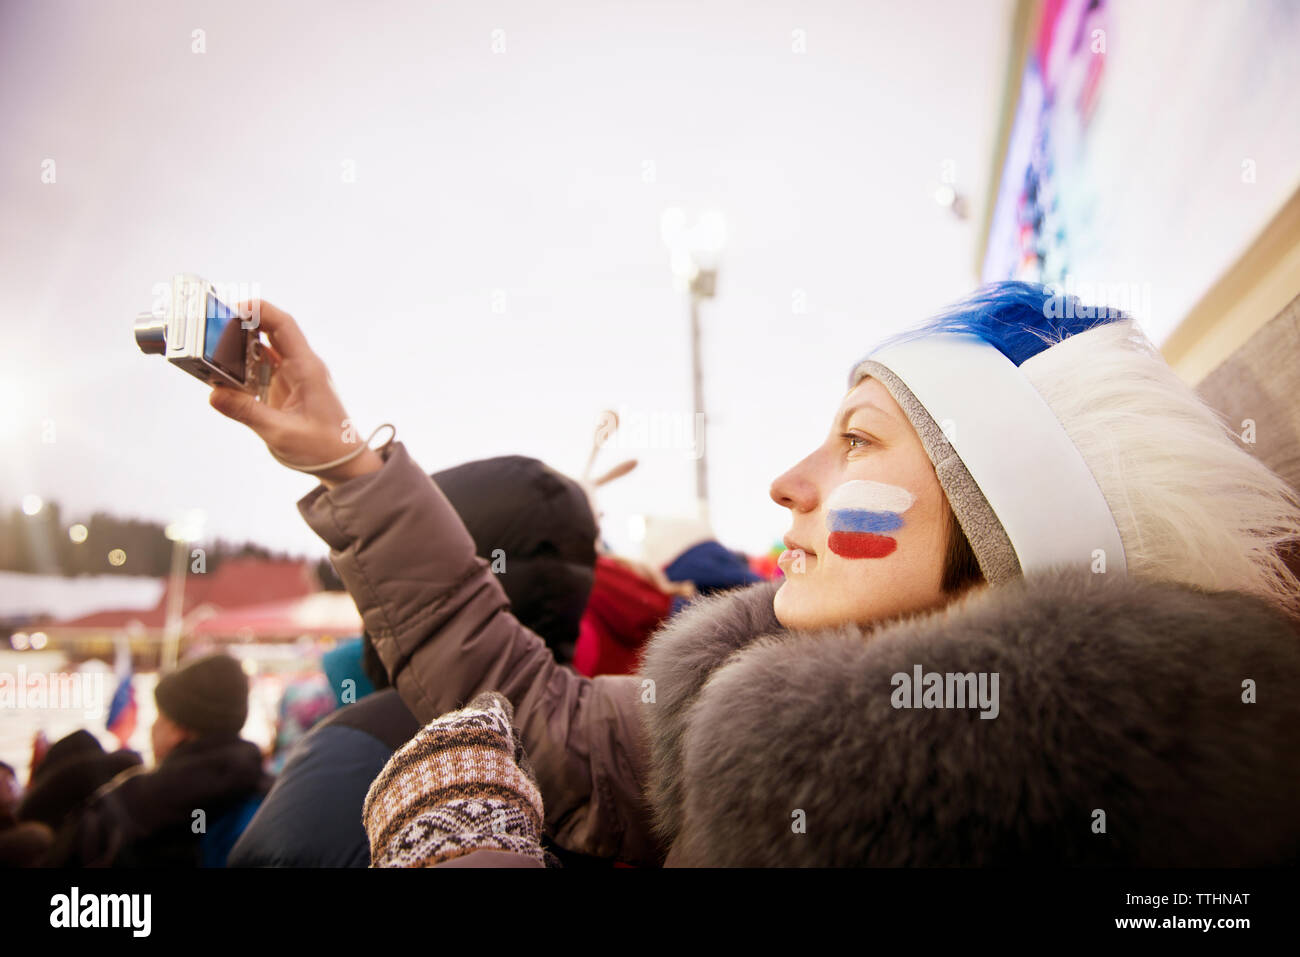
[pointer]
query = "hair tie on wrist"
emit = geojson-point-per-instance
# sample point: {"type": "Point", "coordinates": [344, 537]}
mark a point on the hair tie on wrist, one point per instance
{"type": "Point", "coordinates": [347, 458]}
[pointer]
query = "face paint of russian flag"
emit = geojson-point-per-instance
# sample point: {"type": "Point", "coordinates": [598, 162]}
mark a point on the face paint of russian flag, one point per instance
{"type": "Point", "coordinates": [860, 514]}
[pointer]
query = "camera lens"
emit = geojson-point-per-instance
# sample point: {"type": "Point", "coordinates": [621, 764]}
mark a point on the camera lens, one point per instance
{"type": "Point", "coordinates": [151, 333]}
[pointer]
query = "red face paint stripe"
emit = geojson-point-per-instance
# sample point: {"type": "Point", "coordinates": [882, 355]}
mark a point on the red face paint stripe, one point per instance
{"type": "Point", "coordinates": [860, 544]}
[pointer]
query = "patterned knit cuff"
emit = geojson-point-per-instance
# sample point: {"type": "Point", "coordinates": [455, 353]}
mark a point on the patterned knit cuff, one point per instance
{"type": "Point", "coordinates": [455, 788]}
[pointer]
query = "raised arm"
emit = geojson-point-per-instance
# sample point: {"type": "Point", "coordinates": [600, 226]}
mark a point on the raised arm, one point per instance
{"type": "Point", "coordinates": [439, 619]}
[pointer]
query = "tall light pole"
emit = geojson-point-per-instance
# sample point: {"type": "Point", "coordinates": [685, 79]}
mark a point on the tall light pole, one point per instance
{"type": "Point", "coordinates": [181, 533]}
{"type": "Point", "coordinates": [694, 252]}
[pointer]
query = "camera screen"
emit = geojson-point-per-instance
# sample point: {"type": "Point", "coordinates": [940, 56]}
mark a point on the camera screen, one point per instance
{"type": "Point", "coordinates": [223, 339]}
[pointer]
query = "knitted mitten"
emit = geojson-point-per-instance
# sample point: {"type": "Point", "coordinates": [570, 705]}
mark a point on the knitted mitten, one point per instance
{"type": "Point", "coordinates": [462, 784]}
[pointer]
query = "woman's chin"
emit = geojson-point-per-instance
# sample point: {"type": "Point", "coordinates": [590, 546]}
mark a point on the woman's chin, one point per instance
{"type": "Point", "coordinates": [788, 604]}
{"type": "Point", "coordinates": [804, 603]}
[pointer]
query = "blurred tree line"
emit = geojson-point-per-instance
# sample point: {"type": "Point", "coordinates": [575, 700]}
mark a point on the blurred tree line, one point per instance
{"type": "Point", "coordinates": [40, 544]}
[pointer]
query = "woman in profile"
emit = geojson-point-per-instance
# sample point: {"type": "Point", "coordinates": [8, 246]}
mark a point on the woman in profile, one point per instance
{"type": "Point", "coordinates": [1034, 611]}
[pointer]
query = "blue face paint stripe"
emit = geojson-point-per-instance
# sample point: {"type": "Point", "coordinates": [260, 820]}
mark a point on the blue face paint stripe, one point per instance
{"type": "Point", "coordinates": [861, 520]}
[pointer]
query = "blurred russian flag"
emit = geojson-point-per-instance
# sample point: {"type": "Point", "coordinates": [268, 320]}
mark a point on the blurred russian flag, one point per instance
{"type": "Point", "coordinates": [122, 711]}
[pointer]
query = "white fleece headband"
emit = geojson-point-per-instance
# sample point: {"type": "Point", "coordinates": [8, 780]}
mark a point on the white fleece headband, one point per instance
{"type": "Point", "coordinates": [1017, 484]}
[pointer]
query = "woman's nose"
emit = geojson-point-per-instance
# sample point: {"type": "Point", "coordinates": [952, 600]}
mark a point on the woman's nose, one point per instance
{"type": "Point", "coordinates": [795, 490]}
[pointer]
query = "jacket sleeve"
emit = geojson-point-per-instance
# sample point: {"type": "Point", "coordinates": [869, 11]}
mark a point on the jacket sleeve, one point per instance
{"type": "Point", "coordinates": [442, 626]}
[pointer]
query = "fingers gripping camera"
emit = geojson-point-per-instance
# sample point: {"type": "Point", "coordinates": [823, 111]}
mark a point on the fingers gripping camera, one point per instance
{"type": "Point", "coordinates": [205, 337]}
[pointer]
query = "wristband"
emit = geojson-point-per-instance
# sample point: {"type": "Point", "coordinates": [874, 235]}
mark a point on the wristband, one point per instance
{"type": "Point", "coordinates": [347, 458]}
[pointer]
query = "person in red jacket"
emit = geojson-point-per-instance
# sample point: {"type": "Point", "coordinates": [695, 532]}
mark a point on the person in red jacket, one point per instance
{"type": "Point", "coordinates": [629, 601]}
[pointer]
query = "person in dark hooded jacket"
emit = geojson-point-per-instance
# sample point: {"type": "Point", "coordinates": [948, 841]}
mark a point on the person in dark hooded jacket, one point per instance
{"type": "Point", "coordinates": [191, 807]}
{"type": "Point", "coordinates": [536, 528]}
{"type": "Point", "coordinates": [72, 770]}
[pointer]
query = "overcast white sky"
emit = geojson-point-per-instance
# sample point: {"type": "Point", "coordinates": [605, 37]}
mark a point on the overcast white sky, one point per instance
{"type": "Point", "coordinates": [524, 171]}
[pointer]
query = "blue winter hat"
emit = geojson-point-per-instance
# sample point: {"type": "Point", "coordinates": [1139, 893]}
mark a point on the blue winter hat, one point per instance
{"type": "Point", "coordinates": [342, 663]}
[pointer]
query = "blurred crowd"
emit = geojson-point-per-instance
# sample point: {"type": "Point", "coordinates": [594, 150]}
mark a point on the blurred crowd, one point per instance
{"type": "Point", "coordinates": [213, 799]}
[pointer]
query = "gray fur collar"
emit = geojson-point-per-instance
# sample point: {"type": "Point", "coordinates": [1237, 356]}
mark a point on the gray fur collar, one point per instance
{"type": "Point", "coordinates": [776, 747]}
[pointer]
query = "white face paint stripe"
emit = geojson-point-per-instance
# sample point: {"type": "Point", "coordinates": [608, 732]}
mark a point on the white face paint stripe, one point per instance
{"type": "Point", "coordinates": [871, 496]}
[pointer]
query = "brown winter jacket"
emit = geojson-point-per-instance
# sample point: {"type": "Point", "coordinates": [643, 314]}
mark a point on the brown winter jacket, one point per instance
{"type": "Point", "coordinates": [1138, 723]}
{"type": "Point", "coordinates": [441, 625]}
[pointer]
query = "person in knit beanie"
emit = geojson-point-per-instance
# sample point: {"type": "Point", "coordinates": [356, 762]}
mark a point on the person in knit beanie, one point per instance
{"type": "Point", "coordinates": [208, 695]}
{"type": "Point", "coordinates": [461, 786]}
{"type": "Point", "coordinates": [205, 772]}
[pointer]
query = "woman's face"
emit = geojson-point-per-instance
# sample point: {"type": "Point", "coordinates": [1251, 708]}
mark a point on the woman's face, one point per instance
{"type": "Point", "coordinates": [868, 520]}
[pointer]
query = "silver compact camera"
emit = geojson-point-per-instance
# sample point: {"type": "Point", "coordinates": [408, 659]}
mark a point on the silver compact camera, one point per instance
{"type": "Point", "coordinates": [195, 330]}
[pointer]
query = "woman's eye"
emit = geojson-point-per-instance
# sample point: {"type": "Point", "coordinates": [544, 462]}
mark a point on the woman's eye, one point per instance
{"type": "Point", "coordinates": [856, 438]}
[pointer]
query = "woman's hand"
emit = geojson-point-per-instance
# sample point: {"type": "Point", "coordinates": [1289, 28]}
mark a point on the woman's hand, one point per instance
{"type": "Point", "coordinates": [302, 421]}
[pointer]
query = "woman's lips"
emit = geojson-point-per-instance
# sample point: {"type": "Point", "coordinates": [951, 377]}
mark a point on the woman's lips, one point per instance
{"type": "Point", "coordinates": [792, 545]}
{"type": "Point", "coordinates": [793, 551]}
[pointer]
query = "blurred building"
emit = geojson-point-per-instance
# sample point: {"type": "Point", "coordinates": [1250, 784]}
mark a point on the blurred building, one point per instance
{"type": "Point", "coordinates": [236, 583]}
